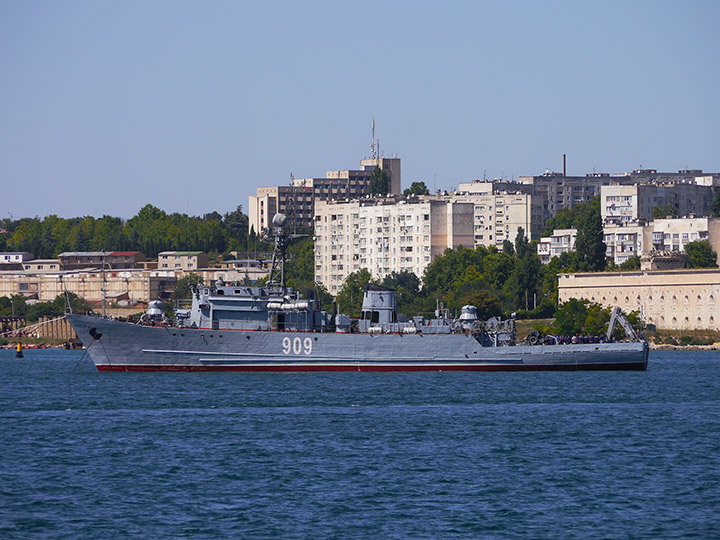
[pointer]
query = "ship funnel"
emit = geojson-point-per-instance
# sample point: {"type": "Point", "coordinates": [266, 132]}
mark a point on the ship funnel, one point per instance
{"type": "Point", "coordinates": [379, 304]}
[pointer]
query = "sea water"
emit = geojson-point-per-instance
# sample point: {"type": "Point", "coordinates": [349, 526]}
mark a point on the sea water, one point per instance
{"type": "Point", "coordinates": [88, 455]}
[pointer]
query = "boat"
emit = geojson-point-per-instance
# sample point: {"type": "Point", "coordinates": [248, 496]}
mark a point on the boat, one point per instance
{"type": "Point", "coordinates": [234, 327]}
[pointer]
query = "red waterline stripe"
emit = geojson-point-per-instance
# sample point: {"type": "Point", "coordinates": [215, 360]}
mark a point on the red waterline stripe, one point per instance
{"type": "Point", "coordinates": [628, 366]}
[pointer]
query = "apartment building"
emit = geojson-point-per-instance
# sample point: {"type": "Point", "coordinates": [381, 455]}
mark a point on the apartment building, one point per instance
{"type": "Point", "coordinates": [624, 240]}
{"type": "Point", "coordinates": [675, 234]}
{"type": "Point", "coordinates": [14, 260]}
{"type": "Point", "coordinates": [187, 261]}
{"type": "Point", "coordinates": [35, 266]}
{"type": "Point", "coordinates": [297, 200]}
{"type": "Point", "coordinates": [561, 241]}
{"type": "Point", "coordinates": [561, 191]}
{"type": "Point", "coordinates": [78, 260]}
{"type": "Point", "coordinates": [626, 203]}
{"type": "Point", "coordinates": [385, 235]}
{"type": "Point", "coordinates": [498, 217]}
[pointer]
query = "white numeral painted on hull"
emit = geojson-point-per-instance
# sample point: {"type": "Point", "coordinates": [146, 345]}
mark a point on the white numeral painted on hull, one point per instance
{"type": "Point", "coordinates": [297, 345]}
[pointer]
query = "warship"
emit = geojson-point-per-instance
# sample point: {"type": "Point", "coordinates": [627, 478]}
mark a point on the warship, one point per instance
{"type": "Point", "coordinates": [233, 327]}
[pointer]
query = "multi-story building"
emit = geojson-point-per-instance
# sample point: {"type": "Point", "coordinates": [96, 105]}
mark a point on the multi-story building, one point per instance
{"type": "Point", "coordinates": [624, 240]}
{"type": "Point", "coordinates": [561, 191]}
{"type": "Point", "coordinates": [385, 235]}
{"type": "Point", "coordinates": [77, 260]}
{"type": "Point", "coordinates": [14, 260]}
{"type": "Point", "coordinates": [561, 241]}
{"type": "Point", "coordinates": [675, 234]}
{"type": "Point", "coordinates": [498, 217]}
{"type": "Point", "coordinates": [42, 265]}
{"type": "Point", "coordinates": [625, 203]}
{"type": "Point", "coordinates": [182, 260]}
{"type": "Point", "coordinates": [91, 285]}
{"type": "Point", "coordinates": [297, 200]}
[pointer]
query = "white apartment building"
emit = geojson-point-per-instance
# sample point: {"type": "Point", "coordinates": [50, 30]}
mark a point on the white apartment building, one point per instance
{"type": "Point", "coordinates": [386, 235]}
{"type": "Point", "coordinates": [675, 234]}
{"type": "Point", "coordinates": [626, 240]}
{"type": "Point", "coordinates": [626, 203]}
{"type": "Point", "coordinates": [498, 216]}
{"type": "Point", "coordinates": [561, 241]}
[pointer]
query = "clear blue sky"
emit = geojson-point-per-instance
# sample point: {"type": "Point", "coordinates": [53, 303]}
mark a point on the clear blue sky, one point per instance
{"type": "Point", "coordinates": [190, 106]}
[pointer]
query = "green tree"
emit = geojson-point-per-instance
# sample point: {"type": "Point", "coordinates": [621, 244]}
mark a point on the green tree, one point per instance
{"type": "Point", "coordinates": [589, 245]}
{"type": "Point", "coordinates": [521, 288]}
{"type": "Point", "coordinates": [570, 317]}
{"type": "Point", "coordinates": [441, 273]}
{"type": "Point", "coordinates": [497, 268]}
{"type": "Point", "coordinates": [378, 182]}
{"type": "Point", "coordinates": [701, 254]}
{"type": "Point", "coordinates": [522, 246]}
{"type": "Point", "coordinates": [508, 247]}
{"type": "Point", "coordinates": [407, 286]}
{"type": "Point", "coordinates": [183, 287]}
{"type": "Point", "coordinates": [715, 206]}
{"type": "Point", "coordinates": [633, 263]}
{"type": "Point", "coordinates": [350, 297]}
{"type": "Point", "coordinates": [417, 188]}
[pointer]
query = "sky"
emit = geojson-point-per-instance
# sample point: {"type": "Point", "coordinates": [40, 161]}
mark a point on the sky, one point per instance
{"type": "Point", "coordinates": [190, 106]}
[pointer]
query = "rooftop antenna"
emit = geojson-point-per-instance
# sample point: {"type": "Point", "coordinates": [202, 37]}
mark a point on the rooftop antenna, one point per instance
{"type": "Point", "coordinates": [372, 145]}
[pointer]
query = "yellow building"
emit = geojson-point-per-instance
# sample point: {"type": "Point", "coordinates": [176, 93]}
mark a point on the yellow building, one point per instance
{"type": "Point", "coordinates": [669, 299]}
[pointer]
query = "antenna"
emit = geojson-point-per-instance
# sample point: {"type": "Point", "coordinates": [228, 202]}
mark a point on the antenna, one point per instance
{"type": "Point", "coordinates": [372, 145]}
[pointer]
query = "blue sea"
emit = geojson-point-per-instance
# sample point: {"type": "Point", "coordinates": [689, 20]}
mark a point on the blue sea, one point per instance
{"type": "Point", "coordinates": [88, 455]}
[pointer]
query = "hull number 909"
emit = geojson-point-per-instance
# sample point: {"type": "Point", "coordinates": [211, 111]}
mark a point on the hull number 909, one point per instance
{"type": "Point", "coordinates": [297, 345]}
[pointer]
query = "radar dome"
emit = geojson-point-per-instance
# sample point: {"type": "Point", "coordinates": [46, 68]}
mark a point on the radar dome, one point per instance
{"type": "Point", "coordinates": [279, 220]}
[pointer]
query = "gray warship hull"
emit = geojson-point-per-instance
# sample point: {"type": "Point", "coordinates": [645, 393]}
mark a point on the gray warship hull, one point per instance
{"type": "Point", "coordinates": [120, 346]}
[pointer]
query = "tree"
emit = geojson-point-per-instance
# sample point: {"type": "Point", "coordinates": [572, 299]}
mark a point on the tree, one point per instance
{"type": "Point", "coordinates": [497, 268]}
{"type": "Point", "coordinates": [378, 182]}
{"type": "Point", "coordinates": [521, 288]}
{"type": "Point", "coordinates": [407, 286]}
{"type": "Point", "coordinates": [522, 246]}
{"type": "Point", "coordinates": [715, 206]}
{"type": "Point", "coordinates": [701, 254]}
{"type": "Point", "coordinates": [417, 188]}
{"type": "Point", "coordinates": [183, 287]}
{"type": "Point", "coordinates": [570, 317]}
{"type": "Point", "coordinates": [633, 263]}
{"type": "Point", "coordinates": [508, 247]}
{"type": "Point", "coordinates": [350, 297]}
{"type": "Point", "coordinates": [589, 245]}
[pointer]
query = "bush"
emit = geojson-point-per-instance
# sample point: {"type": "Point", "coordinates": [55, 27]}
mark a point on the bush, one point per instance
{"type": "Point", "coordinates": [686, 340]}
{"type": "Point", "coordinates": [3, 341]}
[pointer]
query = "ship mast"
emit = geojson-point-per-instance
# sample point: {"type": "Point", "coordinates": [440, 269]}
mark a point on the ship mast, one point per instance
{"type": "Point", "coordinates": [277, 270]}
